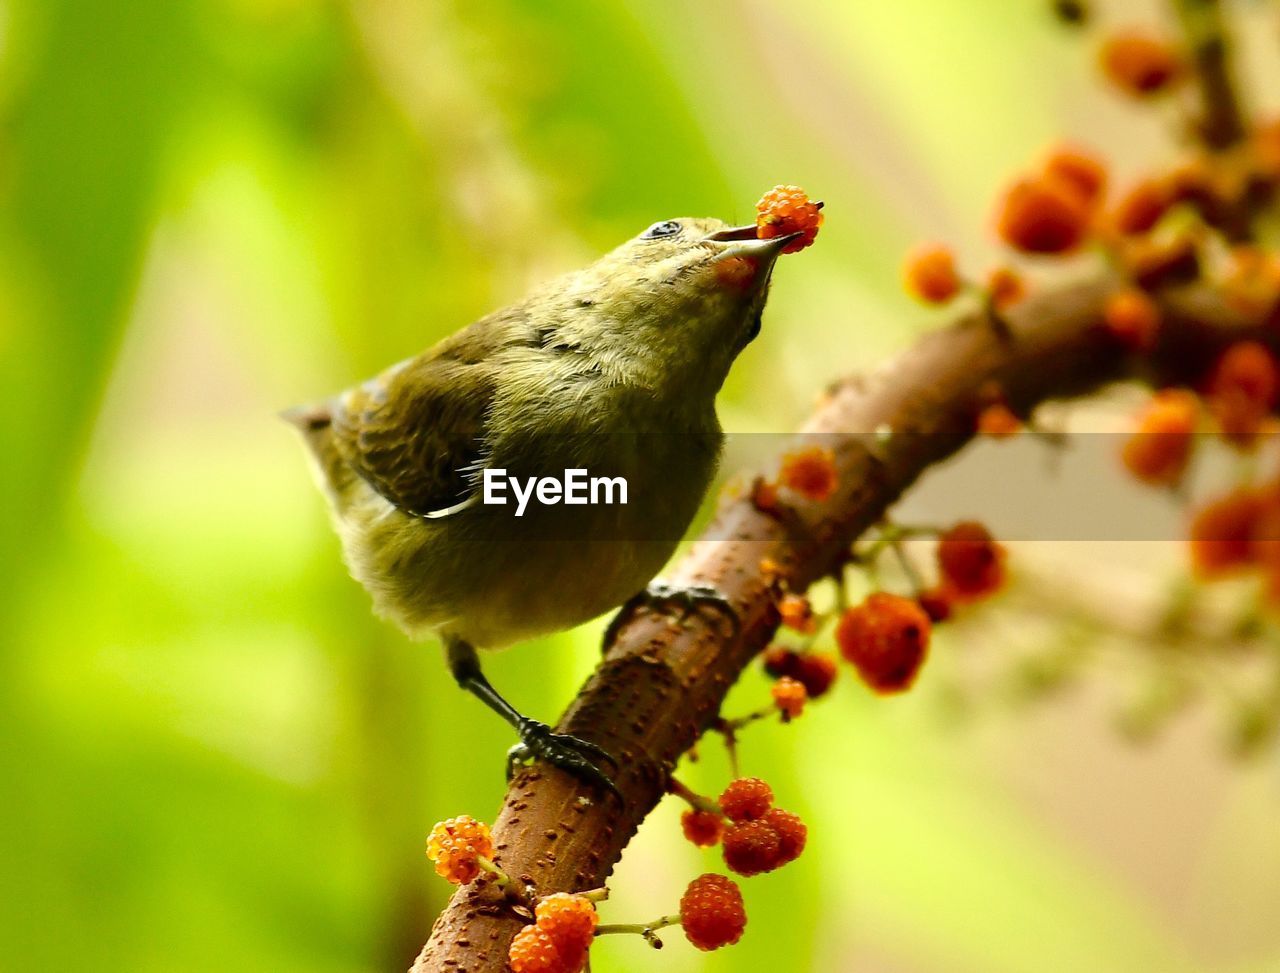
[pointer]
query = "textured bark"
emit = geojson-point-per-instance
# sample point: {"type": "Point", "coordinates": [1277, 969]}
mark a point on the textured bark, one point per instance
{"type": "Point", "coordinates": [661, 684]}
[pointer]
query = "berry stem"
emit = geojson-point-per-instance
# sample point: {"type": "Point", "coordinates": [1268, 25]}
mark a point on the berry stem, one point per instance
{"type": "Point", "coordinates": [698, 802]}
{"type": "Point", "coordinates": [503, 880]}
{"type": "Point", "coordinates": [645, 929]}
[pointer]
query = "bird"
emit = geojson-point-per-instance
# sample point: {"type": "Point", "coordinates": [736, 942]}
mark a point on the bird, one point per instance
{"type": "Point", "coordinates": [611, 370]}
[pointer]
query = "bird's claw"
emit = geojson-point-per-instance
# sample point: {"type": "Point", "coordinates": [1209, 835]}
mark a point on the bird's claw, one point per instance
{"type": "Point", "coordinates": [563, 750]}
{"type": "Point", "coordinates": [688, 598]}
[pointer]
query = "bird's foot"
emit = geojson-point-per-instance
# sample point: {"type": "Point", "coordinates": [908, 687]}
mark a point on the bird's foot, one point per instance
{"type": "Point", "coordinates": [569, 753]}
{"type": "Point", "coordinates": [687, 598]}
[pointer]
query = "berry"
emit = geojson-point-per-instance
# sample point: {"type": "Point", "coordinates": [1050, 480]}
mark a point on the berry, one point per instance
{"type": "Point", "coordinates": [712, 912]}
{"type": "Point", "coordinates": [789, 695]}
{"type": "Point", "coordinates": [1222, 532]}
{"type": "Point", "coordinates": [1132, 318]}
{"type": "Point", "coordinates": [764, 496]}
{"type": "Point", "coordinates": [1251, 282]}
{"type": "Point", "coordinates": [534, 950]}
{"type": "Point", "coordinates": [1142, 207]}
{"type": "Point", "coordinates": [752, 847]}
{"type": "Point", "coordinates": [811, 472]}
{"type": "Point", "coordinates": [1042, 215]}
{"type": "Point", "coordinates": [456, 844]}
{"type": "Point", "coordinates": [1005, 288]}
{"type": "Point", "coordinates": [936, 603]}
{"type": "Point", "coordinates": [886, 638]}
{"type": "Point", "coordinates": [703, 828]}
{"type": "Point", "coordinates": [1158, 452]}
{"type": "Point", "coordinates": [1242, 389]}
{"type": "Point", "coordinates": [570, 921]}
{"type": "Point", "coordinates": [998, 421]}
{"type": "Point", "coordinates": [930, 273]}
{"type": "Point", "coordinates": [1139, 63]}
{"type": "Point", "coordinates": [971, 562]}
{"type": "Point", "coordinates": [816, 671]}
{"type": "Point", "coordinates": [1076, 168]}
{"type": "Point", "coordinates": [792, 833]}
{"type": "Point", "coordinates": [746, 799]}
{"type": "Point", "coordinates": [796, 613]}
{"type": "Point", "coordinates": [786, 209]}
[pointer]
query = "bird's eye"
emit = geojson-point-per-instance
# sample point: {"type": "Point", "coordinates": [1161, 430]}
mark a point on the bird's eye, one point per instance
{"type": "Point", "coordinates": [665, 228]}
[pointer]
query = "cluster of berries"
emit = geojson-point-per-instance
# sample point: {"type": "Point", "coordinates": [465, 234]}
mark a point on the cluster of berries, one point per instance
{"type": "Point", "coordinates": [559, 938]}
{"type": "Point", "coordinates": [756, 837]}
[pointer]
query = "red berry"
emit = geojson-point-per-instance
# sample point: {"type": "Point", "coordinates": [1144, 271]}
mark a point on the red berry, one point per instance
{"type": "Point", "coordinates": [1158, 452]}
{"type": "Point", "coordinates": [971, 562]}
{"type": "Point", "coordinates": [792, 833]}
{"type": "Point", "coordinates": [886, 638]}
{"type": "Point", "coordinates": [816, 671]}
{"type": "Point", "coordinates": [752, 847]}
{"type": "Point", "coordinates": [1140, 63]}
{"type": "Point", "coordinates": [789, 695]}
{"type": "Point", "coordinates": [746, 799]}
{"type": "Point", "coordinates": [570, 921]}
{"type": "Point", "coordinates": [1222, 533]}
{"type": "Point", "coordinates": [811, 472]}
{"type": "Point", "coordinates": [454, 845]}
{"type": "Point", "coordinates": [1242, 390]}
{"type": "Point", "coordinates": [1142, 207]}
{"type": "Point", "coordinates": [1133, 318]}
{"type": "Point", "coordinates": [703, 828]}
{"type": "Point", "coordinates": [930, 273]}
{"type": "Point", "coordinates": [936, 603]}
{"type": "Point", "coordinates": [1082, 171]}
{"type": "Point", "coordinates": [1043, 215]}
{"type": "Point", "coordinates": [784, 210]}
{"type": "Point", "coordinates": [712, 913]}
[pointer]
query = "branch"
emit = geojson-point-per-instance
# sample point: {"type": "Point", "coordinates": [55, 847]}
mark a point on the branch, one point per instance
{"type": "Point", "coordinates": [1220, 121]}
{"type": "Point", "coordinates": [661, 684]}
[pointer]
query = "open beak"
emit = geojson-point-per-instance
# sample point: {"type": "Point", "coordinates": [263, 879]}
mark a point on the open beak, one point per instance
{"type": "Point", "coordinates": [744, 243]}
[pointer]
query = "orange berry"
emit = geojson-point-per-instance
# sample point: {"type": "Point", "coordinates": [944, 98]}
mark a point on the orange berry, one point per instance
{"type": "Point", "coordinates": [1242, 389]}
{"type": "Point", "coordinates": [1005, 288]}
{"type": "Point", "coordinates": [1251, 282]}
{"type": "Point", "coordinates": [1140, 63]}
{"type": "Point", "coordinates": [703, 828]}
{"type": "Point", "coordinates": [998, 421]}
{"type": "Point", "coordinates": [746, 799]}
{"type": "Point", "coordinates": [456, 844]}
{"type": "Point", "coordinates": [811, 472]}
{"type": "Point", "coordinates": [1142, 207]}
{"type": "Point", "coordinates": [1222, 533]}
{"type": "Point", "coordinates": [970, 561]}
{"type": "Point", "coordinates": [534, 950]}
{"type": "Point", "coordinates": [786, 209]}
{"type": "Point", "coordinates": [792, 833]}
{"type": "Point", "coordinates": [1082, 171]}
{"type": "Point", "coordinates": [789, 695]}
{"type": "Point", "coordinates": [1133, 318]}
{"type": "Point", "coordinates": [752, 847]}
{"type": "Point", "coordinates": [1042, 215]}
{"type": "Point", "coordinates": [930, 273]}
{"type": "Point", "coordinates": [570, 920]}
{"type": "Point", "coordinates": [936, 603]}
{"type": "Point", "coordinates": [886, 638]}
{"type": "Point", "coordinates": [796, 613]}
{"type": "Point", "coordinates": [712, 912]}
{"type": "Point", "coordinates": [1158, 452]}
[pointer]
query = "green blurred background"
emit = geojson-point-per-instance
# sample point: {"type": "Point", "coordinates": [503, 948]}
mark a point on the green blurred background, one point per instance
{"type": "Point", "coordinates": [214, 758]}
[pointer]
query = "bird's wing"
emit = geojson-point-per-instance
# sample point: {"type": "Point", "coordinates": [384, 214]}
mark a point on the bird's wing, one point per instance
{"type": "Point", "coordinates": [418, 432]}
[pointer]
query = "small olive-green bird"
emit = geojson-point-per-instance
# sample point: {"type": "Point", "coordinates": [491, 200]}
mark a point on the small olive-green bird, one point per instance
{"type": "Point", "coordinates": [612, 370]}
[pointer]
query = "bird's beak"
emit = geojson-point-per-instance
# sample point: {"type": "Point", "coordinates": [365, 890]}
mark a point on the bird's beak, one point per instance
{"type": "Point", "coordinates": [743, 242]}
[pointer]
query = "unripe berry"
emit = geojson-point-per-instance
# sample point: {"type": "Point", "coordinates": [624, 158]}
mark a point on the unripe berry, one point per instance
{"type": "Point", "coordinates": [1158, 452]}
{"type": "Point", "coordinates": [1043, 215]}
{"type": "Point", "coordinates": [454, 846]}
{"type": "Point", "coordinates": [789, 696]}
{"type": "Point", "coordinates": [712, 912]}
{"type": "Point", "coordinates": [570, 921]}
{"type": "Point", "coordinates": [786, 209]}
{"type": "Point", "coordinates": [703, 828]}
{"type": "Point", "coordinates": [534, 950]}
{"type": "Point", "coordinates": [746, 799]}
{"type": "Point", "coordinates": [1132, 318]}
{"type": "Point", "coordinates": [886, 638]}
{"type": "Point", "coordinates": [752, 847]}
{"type": "Point", "coordinates": [1139, 63]}
{"type": "Point", "coordinates": [970, 561]}
{"type": "Point", "coordinates": [929, 273]}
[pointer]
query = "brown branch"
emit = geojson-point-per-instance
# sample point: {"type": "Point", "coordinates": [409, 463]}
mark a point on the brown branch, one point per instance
{"type": "Point", "coordinates": [660, 685]}
{"type": "Point", "coordinates": [1220, 120]}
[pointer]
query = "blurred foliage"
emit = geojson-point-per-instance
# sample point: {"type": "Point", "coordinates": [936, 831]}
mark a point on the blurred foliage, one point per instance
{"type": "Point", "coordinates": [214, 758]}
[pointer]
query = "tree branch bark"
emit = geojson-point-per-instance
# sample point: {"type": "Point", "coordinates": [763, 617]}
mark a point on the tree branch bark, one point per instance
{"type": "Point", "coordinates": [661, 684]}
